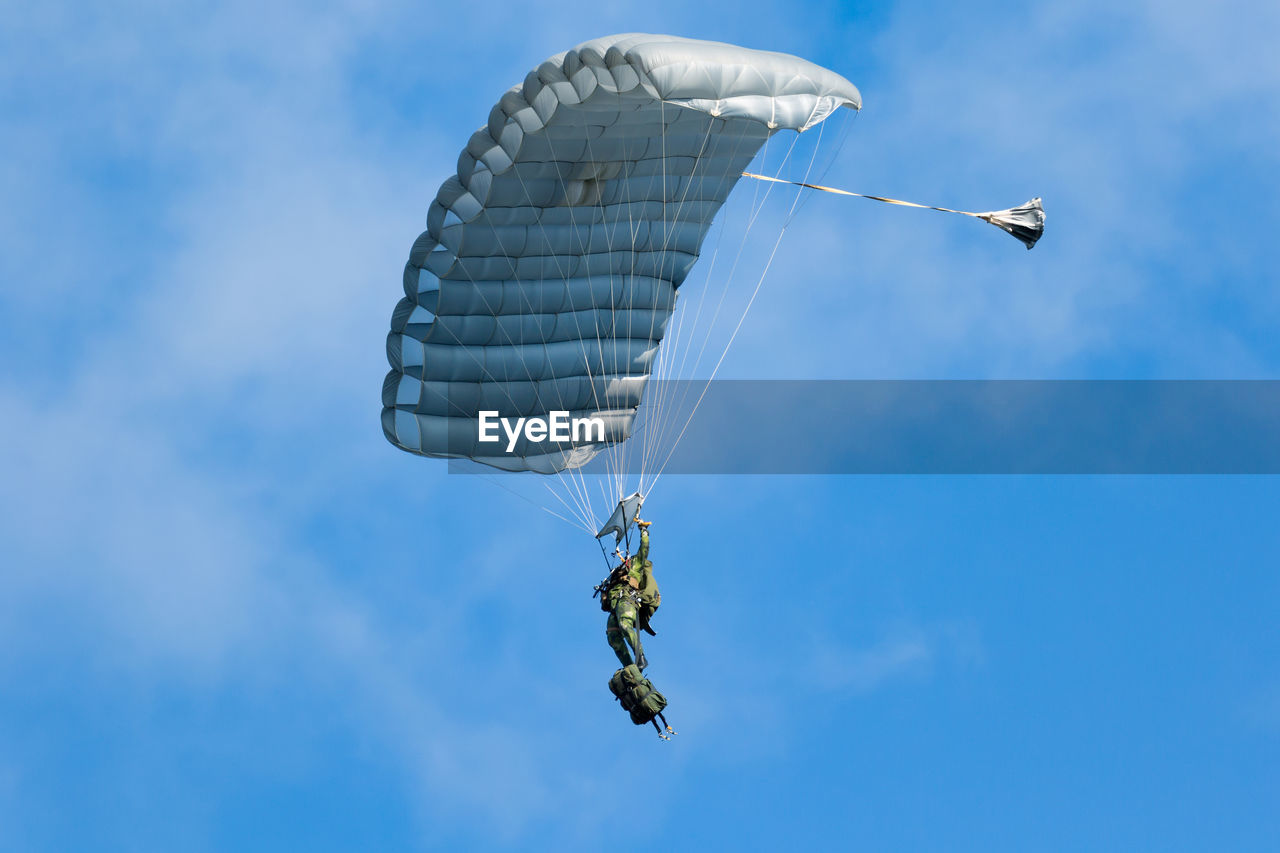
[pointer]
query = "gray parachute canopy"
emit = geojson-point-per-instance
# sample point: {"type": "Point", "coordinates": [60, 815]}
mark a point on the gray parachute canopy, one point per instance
{"type": "Point", "coordinates": [548, 271]}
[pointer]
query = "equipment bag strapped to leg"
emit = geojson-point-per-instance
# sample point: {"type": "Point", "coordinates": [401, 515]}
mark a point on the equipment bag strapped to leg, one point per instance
{"type": "Point", "coordinates": [640, 699]}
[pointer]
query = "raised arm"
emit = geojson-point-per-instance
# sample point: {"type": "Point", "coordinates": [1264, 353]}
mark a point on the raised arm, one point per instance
{"type": "Point", "coordinates": [643, 553]}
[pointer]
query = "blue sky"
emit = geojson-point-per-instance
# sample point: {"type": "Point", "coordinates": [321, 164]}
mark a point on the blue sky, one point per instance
{"type": "Point", "coordinates": [232, 617]}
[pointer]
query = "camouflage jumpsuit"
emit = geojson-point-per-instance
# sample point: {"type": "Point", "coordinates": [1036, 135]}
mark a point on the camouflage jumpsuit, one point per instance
{"type": "Point", "coordinates": [624, 602]}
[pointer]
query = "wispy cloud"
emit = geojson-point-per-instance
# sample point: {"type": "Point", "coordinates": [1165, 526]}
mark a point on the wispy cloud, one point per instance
{"type": "Point", "coordinates": [901, 653]}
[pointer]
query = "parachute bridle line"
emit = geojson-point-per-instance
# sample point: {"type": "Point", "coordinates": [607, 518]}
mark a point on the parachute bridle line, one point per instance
{"type": "Point", "coordinates": [1025, 222]}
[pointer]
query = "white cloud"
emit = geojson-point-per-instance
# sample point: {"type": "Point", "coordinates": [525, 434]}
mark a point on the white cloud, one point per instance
{"type": "Point", "coordinates": [902, 653]}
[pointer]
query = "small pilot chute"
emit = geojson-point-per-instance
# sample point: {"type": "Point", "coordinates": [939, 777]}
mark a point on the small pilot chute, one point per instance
{"type": "Point", "coordinates": [1025, 222]}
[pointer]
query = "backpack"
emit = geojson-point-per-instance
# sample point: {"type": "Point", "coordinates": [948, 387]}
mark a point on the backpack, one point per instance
{"type": "Point", "coordinates": [639, 698]}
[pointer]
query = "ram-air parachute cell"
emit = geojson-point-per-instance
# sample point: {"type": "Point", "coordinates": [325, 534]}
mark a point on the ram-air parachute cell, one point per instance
{"type": "Point", "coordinates": [549, 268]}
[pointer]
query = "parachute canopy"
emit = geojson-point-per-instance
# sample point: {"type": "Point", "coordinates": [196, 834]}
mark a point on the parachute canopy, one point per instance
{"type": "Point", "coordinates": [549, 268]}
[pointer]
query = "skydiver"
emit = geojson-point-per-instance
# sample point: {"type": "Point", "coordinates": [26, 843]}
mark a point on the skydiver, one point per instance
{"type": "Point", "coordinates": [631, 595]}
